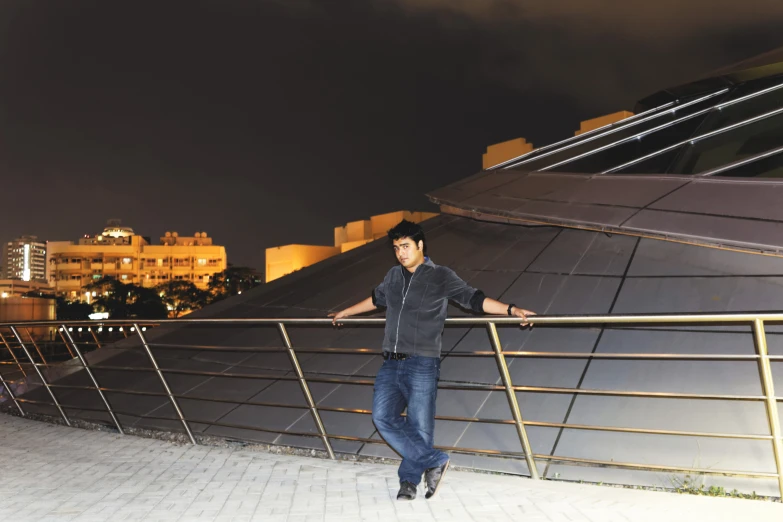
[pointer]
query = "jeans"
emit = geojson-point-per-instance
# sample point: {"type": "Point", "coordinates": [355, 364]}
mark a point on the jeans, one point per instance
{"type": "Point", "coordinates": [412, 382]}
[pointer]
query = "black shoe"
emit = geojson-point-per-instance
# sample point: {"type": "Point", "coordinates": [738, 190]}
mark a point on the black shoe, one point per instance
{"type": "Point", "coordinates": [433, 477]}
{"type": "Point", "coordinates": [407, 491]}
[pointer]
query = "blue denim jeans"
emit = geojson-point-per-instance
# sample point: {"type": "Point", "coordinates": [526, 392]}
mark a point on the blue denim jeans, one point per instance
{"type": "Point", "coordinates": [411, 383]}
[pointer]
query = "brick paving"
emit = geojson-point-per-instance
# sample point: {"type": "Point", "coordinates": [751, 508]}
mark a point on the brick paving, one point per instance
{"type": "Point", "coordinates": [55, 473]}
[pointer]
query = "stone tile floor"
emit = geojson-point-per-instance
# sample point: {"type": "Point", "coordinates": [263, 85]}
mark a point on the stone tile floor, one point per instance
{"type": "Point", "coordinates": [54, 473]}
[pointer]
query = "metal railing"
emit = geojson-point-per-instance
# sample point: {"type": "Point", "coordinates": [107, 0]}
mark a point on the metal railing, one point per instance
{"type": "Point", "coordinates": [17, 342]}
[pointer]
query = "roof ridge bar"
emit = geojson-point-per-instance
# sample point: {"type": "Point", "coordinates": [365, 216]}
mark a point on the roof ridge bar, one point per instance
{"type": "Point", "coordinates": [717, 106]}
{"type": "Point", "coordinates": [610, 129]}
{"type": "Point", "coordinates": [590, 134]}
{"type": "Point", "coordinates": [698, 138]}
{"type": "Point", "coordinates": [739, 163]}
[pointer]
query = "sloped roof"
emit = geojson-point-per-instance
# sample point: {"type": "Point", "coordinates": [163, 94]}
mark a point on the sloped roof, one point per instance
{"type": "Point", "coordinates": [665, 173]}
{"type": "Point", "coordinates": [742, 214]}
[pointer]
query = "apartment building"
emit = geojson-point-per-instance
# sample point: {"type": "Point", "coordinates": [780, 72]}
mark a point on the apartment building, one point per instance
{"type": "Point", "coordinates": [24, 259]}
{"type": "Point", "coordinates": [130, 258]}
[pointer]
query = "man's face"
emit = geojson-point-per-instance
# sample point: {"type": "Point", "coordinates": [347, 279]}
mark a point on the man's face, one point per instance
{"type": "Point", "coordinates": [408, 253]}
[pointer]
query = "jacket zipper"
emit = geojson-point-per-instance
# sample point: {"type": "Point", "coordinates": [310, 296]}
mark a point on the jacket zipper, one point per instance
{"type": "Point", "coordinates": [404, 295]}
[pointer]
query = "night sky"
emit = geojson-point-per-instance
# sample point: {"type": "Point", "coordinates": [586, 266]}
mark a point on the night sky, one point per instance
{"type": "Point", "coordinates": [271, 122]}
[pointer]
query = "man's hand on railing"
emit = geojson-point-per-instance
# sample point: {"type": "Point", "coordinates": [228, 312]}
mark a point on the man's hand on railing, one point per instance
{"type": "Point", "coordinates": [494, 307]}
{"type": "Point", "coordinates": [337, 316]}
{"type": "Point", "coordinates": [359, 308]}
{"type": "Point", "coordinates": [523, 314]}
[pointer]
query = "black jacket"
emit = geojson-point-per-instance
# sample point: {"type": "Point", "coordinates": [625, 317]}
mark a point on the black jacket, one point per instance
{"type": "Point", "coordinates": [415, 314]}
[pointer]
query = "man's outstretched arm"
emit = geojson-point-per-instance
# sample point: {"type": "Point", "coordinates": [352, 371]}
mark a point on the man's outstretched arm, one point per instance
{"type": "Point", "coordinates": [469, 297]}
{"type": "Point", "coordinates": [493, 307]}
{"type": "Point", "coordinates": [359, 308]}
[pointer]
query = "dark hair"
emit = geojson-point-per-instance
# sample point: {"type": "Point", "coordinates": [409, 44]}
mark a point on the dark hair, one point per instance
{"type": "Point", "coordinates": [408, 229]}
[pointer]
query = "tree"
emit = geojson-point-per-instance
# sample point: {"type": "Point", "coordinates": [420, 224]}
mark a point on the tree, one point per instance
{"type": "Point", "coordinates": [111, 296]}
{"type": "Point", "coordinates": [146, 303]}
{"type": "Point", "coordinates": [126, 301]}
{"type": "Point", "coordinates": [72, 310]}
{"type": "Point", "coordinates": [38, 293]}
{"type": "Point", "coordinates": [182, 296]}
{"type": "Point", "coordinates": [232, 281]}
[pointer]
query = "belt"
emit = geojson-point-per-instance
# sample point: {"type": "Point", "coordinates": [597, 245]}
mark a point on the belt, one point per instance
{"type": "Point", "coordinates": [395, 356]}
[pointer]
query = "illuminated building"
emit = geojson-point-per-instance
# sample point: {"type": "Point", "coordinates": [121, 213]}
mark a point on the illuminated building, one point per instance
{"type": "Point", "coordinates": [283, 260]}
{"type": "Point", "coordinates": [24, 258]}
{"type": "Point", "coordinates": [19, 288]}
{"type": "Point", "coordinates": [120, 253]}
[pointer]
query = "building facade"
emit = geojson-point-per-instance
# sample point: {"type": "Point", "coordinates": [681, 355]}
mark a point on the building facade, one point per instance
{"type": "Point", "coordinates": [24, 259]}
{"type": "Point", "coordinates": [19, 288]}
{"type": "Point", "coordinates": [120, 253]}
{"type": "Point", "coordinates": [286, 259]}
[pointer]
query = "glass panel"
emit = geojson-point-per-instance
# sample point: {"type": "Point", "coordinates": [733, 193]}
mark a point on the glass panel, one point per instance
{"type": "Point", "coordinates": [770, 167]}
{"type": "Point", "coordinates": [634, 149]}
{"type": "Point", "coordinates": [756, 85]}
{"type": "Point", "coordinates": [655, 165]}
{"type": "Point", "coordinates": [626, 132]}
{"type": "Point", "coordinates": [736, 144]}
{"type": "Point", "coordinates": [676, 162]}
{"type": "Point", "coordinates": [743, 110]}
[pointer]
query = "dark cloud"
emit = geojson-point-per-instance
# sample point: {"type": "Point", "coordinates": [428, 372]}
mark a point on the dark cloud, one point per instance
{"type": "Point", "coordinates": [638, 19]}
{"type": "Point", "coordinates": [269, 122]}
{"type": "Point", "coordinates": [606, 54]}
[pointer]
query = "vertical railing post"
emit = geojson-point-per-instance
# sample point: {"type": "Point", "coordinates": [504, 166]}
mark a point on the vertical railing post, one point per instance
{"type": "Point", "coordinates": [512, 399]}
{"type": "Point", "coordinates": [35, 345]}
{"type": "Point", "coordinates": [97, 342]}
{"type": "Point", "coordinates": [11, 351]}
{"type": "Point", "coordinates": [2, 379]}
{"type": "Point", "coordinates": [40, 375]}
{"type": "Point", "coordinates": [768, 386]}
{"type": "Point", "coordinates": [164, 383]}
{"type": "Point", "coordinates": [67, 346]}
{"type": "Point", "coordinates": [11, 393]}
{"type": "Point", "coordinates": [94, 381]}
{"type": "Point", "coordinates": [306, 390]}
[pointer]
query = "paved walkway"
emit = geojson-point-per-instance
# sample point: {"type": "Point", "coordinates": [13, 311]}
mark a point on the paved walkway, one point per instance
{"type": "Point", "coordinates": [54, 473]}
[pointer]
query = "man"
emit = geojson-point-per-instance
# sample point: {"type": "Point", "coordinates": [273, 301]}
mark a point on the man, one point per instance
{"type": "Point", "coordinates": [415, 295]}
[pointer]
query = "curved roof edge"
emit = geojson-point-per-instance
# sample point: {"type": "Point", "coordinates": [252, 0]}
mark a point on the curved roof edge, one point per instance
{"type": "Point", "coordinates": [759, 66]}
{"type": "Point", "coordinates": [736, 214]}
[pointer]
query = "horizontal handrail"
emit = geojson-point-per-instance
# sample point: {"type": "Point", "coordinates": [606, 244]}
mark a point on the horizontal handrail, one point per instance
{"type": "Point", "coordinates": [453, 418]}
{"type": "Point", "coordinates": [475, 451]}
{"type": "Point", "coordinates": [702, 317]}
